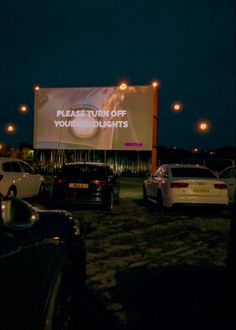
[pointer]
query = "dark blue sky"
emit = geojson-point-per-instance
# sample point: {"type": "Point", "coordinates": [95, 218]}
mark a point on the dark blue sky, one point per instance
{"type": "Point", "coordinates": [188, 45]}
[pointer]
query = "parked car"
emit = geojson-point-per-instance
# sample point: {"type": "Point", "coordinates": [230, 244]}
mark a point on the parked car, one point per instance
{"type": "Point", "coordinates": [174, 184]}
{"type": "Point", "coordinates": [86, 183]}
{"type": "Point", "coordinates": [228, 175]}
{"type": "Point", "coordinates": [18, 178]}
{"type": "Point", "coordinates": [42, 267]}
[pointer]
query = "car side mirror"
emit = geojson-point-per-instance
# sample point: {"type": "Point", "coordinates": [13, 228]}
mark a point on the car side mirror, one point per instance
{"type": "Point", "coordinates": [17, 214]}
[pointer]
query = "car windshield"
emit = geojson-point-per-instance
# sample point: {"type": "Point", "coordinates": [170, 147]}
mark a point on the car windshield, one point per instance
{"type": "Point", "coordinates": [85, 172]}
{"type": "Point", "coordinates": [185, 172]}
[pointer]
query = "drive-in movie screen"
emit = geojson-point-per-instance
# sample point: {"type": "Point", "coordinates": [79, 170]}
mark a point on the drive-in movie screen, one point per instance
{"type": "Point", "coordinates": [105, 118]}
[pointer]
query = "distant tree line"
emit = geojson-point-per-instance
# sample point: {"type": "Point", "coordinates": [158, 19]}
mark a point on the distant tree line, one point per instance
{"type": "Point", "coordinates": [131, 162]}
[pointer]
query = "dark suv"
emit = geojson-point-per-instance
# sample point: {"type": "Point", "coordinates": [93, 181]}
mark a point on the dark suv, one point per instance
{"type": "Point", "coordinates": [86, 183]}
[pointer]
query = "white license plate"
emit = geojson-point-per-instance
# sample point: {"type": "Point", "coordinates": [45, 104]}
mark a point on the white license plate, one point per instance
{"type": "Point", "coordinates": [78, 185]}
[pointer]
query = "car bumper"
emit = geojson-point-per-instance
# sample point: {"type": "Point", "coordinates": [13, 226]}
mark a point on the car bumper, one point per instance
{"type": "Point", "coordinates": [195, 200]}
{"type": "Point", "coordinates": [75, 198]}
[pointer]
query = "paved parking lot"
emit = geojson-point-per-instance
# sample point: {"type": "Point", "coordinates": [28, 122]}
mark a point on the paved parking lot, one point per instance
{"type": "Point", "coordinates": [153, 270]}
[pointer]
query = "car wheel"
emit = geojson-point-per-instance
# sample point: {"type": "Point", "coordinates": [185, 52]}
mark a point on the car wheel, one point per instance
{"type": "Point", "coordinates": [159, 201]}
{"type": "Point", "coordinates": [12, 192]}
{"type": "Point", "coordinates": [109, 202]}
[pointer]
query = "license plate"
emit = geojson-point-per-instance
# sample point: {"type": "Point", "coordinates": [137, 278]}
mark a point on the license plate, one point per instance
{"type": "Point", "coordinates": [200, 190]}
{"type": "Point", "coordinates": [78, 185]}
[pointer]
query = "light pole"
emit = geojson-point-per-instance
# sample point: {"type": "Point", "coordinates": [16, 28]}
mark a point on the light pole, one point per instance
{"type": "Point", "coordinates": [155, 86]}
{"type": "Point", "coordinates": [175, 107]}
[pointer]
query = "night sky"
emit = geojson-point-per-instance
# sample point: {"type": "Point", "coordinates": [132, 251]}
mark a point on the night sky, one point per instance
{"type": "Point", "coordinates": [188, 45]}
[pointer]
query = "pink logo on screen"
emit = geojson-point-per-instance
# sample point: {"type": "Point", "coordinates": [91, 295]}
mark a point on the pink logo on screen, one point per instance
{"type": "Point", "coordinates": [133, 144]}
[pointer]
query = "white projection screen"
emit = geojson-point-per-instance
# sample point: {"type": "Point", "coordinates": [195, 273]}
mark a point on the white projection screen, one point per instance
{"type": "Point", "coordinates": [102, 118]}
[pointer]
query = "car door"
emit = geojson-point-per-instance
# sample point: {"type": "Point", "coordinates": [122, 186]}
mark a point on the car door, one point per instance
{"type": "Point", "coordinates": [18, 279]}
{"type": "Point", "coordinates": [12, 177]}
{"type": "Point", "coordinates": [51, 257]}
{"type": "Point", "coordinates": [31, 180]}
{"type": "Point", "coordinates": [152, 185]}
{"type": "Point", "coordinates": [59, 250]}
{"type": "Point", "coordinates": [148, 185]}
{"type": "Point", "coordinates": [21, 179]}
{"type": "Point", "coordinates": [158, 180]}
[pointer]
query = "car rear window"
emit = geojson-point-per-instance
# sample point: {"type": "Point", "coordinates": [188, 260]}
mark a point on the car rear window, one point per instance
{"type": "Point", "coordinates": [85, 172]}
{"type": "Point", "coordinates": [192, 173]}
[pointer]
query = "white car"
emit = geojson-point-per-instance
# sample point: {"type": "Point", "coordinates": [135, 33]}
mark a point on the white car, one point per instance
{"type": "Point", "coordinates": [18, 178]}
{"type": "Point", "coordinates": [228, 175]}
{"type": "Point", "coordinates": [179, 184]}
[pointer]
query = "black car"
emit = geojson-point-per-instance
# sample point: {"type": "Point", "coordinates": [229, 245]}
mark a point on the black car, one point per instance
{"type": "Point", "coordinates": [86, 183]}
{"type": "Point", "coordinates": [42, 267]}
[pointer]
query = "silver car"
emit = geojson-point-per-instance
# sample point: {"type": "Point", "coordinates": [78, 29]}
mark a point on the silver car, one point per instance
{"type": "Point", "coordinates": [18, 178]}
{"type": "Point", "coordinates": [174, 184]}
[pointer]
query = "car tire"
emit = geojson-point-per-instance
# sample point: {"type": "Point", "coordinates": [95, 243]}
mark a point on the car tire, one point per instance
{"type": "Point", "coordinates": [12, 192]}
{"type": "Point", "coordinates": [109, 204]}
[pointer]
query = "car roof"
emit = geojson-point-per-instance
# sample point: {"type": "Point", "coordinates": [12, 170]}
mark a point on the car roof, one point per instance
{"type": "Point", "coordinates": [9, 159]}
{"type": "Point", "coordinates": [233, 166]}
{"type": "Point", "coordinates": [227, 168]}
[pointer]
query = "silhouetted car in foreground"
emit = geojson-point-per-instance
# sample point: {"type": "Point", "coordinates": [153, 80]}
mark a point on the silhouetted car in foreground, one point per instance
{"type": "Point", "coordinates": [42, 267]}
{"type": "Point", "coordinates": [86, 183]}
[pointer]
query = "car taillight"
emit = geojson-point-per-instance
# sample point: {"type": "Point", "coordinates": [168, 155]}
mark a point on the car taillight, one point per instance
{"type": "Point", "coordinates": [220, 186]}
{"type": "Point", "coordinates": [1, 176]}
{"type": "Point", "coordinates": [58, 181]}
{"type": "Point", "coordinates": [99, 182]}
{"type": "Point", "coordinates": [179, 185]}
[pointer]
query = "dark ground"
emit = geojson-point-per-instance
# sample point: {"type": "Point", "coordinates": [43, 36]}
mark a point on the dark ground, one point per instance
{"type": "Point", "coordinates": [146, 270]}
